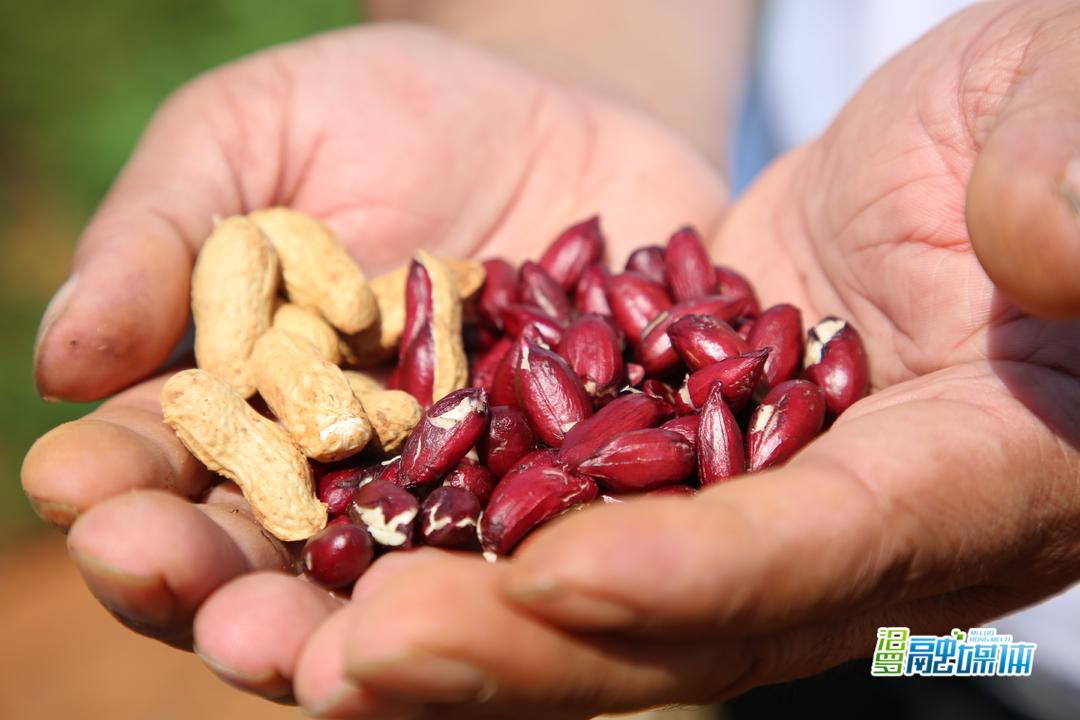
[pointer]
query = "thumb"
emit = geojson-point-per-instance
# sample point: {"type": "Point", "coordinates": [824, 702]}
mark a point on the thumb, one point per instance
{"type": "Point", "coordinates": [125, 305]}
{"type": "Point", "coordinates": [876, 511]}
{"type": "Point", "coordinates": [1023, 199]}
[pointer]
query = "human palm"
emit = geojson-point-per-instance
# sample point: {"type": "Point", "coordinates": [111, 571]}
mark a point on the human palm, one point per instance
{"type": "Point", "coordinates": [946, 497]}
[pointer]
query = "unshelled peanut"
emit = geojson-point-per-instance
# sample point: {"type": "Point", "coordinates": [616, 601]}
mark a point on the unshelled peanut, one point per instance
{"type": "Point", "coordinates": [317, 272]}
{"type": "Point", "coordinates": [310, 396]}
{"type": "Point", "coordinates": [217, 425]}
{"type": "Point", "coordinates": [232, 299]}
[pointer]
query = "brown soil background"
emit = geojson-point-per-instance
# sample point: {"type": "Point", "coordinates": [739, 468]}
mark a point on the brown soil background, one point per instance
{"type": "Point", "coordinates": [65, 657]}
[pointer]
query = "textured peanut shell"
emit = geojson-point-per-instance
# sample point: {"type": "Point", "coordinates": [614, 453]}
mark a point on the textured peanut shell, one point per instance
{"type": "Point", "coordinates": [220, 429]}
{"type": "Point", "coordinates": [232, 298]}
{"type": "Point", "coordinates": [379, 343]}
{"type": "Point", "coordinates": [317, 271]}
{"type": "Point", "coordinates": [451, 364]}
{"type": "Point", "coordinates": [393, 415]}
{"type": "Point", "coordinates": [310, 326]}
{"type": "Point", "coordinates": [362, 383]}
{"type": "Point", "coordinates": [310, 396]}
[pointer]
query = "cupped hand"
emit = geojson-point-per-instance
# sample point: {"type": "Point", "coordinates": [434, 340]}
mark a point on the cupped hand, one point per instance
{"type": "Point", "coordinates": [941, 202]}
{"type": "Point", "coordinates": [397, 138]}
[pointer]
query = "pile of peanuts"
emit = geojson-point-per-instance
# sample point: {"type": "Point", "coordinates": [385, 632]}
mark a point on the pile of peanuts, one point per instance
{"type": "Point", "coordinates": [462, 404]}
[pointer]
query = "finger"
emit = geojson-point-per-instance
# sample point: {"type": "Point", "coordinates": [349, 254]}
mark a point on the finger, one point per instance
{"type": "Point", "coordinates": [152, 558]}
{"type": "Point", "coordinates": [251, 631]}
{"type": "Point", "coordinates": [121, 446]}
{"type": "Point", "coordinates": [891, 503]}
{"type": "Point", "coordinates": [1023, 198]}
{"type": "Point", "coordinates": [124, 307]}
{"type": "Point", "coordinates": [320, 683]}
{"type": "Point", "coordinates": [464, 659]}
{"type": "Point", "coordinates": [440, 638]}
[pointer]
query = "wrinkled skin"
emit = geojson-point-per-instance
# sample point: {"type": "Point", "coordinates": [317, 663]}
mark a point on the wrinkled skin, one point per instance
{"type": "Point", "coordinates": [946, 498]}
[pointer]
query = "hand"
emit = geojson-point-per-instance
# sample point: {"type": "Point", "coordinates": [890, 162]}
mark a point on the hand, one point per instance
{"type": "Point", "coordinates": [946, 498]}
{"type": "Point", "coordinates": [398, 138]}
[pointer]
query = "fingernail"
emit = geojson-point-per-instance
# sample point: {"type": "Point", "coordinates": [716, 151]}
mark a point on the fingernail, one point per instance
{"type": "Point", "coordinates": [146, 601]}
{"type": "Point", "coordinates": [59, 515]}
{"type": "Point", "coordinates": [430, 677]}
{"type": "Point", "coordinates": [556, 599]}
{"type": "Point", "coordinates": [53, 312]}
{"type": "Point", "coordinates": [337, 703]}
{"type": "Point", "coordinates": [350, 701]}
{"type": "Point", "coordinates": [1070, 185]}
{"type": "Point", "coordinates": [269, 684]}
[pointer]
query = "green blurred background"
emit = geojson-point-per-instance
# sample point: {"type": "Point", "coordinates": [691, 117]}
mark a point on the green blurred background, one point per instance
{"type": "Point", "coordinates": [79, 80]}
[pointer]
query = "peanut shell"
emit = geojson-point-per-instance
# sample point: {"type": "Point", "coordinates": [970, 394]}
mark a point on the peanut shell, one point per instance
{"type": "Point", "coordinates": [317, 271]}
{"type": "Point", "coordinates": [232, 299]}
{"type": "Point", "coordinates": [224, 433]}
{"type": "Point", "coordinates": [310, 396]}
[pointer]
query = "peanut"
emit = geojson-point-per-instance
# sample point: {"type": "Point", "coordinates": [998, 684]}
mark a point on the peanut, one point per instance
{"type": "Point", "coordinates": [378, 343]}
{"type": "Point", "coordinates": [310, 326]}
{"type": "Point", "coordinates": [214, 422]}
{"type": "Point", "coordinates": [434, 364]}
{"type": "Point", "coordinates": [362, 383]}
{"type": "Point", "coordinates": [232, 295]}
{"type": "Point", "coordinates": [310, 396]}
{"type": "Point", "coordinates": [317, 271]}
{"type": "Point", "coordinates": [558, 346]}
{"type": "Point", "coordinates": [393, 415]}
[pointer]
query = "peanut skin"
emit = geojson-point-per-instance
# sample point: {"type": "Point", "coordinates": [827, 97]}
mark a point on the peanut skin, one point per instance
{"type": "Point", "coordinates": [317, 271]}
{"type": "Point", "coordinates": [232, 299]}
{"type": "Point", "coordinates": [220, 429]}
{"type": "Point", "coordinates": [379, 342]}
{"type": "Point", "coordinates": [310, 396]}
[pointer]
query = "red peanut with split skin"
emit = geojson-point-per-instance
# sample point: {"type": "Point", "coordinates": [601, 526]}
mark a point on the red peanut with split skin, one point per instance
{"type": "Point", "coordinates": [445, 434]}
{"type": "Point", "coordinates": [738, 376]}
{"type": "Point", "coordinates": [525, 499]}
{"type": "Point", "coordinates": [656, 351]}
{"type": "Point", "coordinates": [387, 511]}
{"type": "Point", "coordinates": [551, 395]}
{"type": "Point", "coordinates": [509, 438]}
{"type": "Point", "coordinates": [702, 340]}
{"type": "Point", "coordinates": [835, 361]}
{"type": "Point", "coordinates": [337, 488]}
{"type": "Point", "coordinates": [448, 519]}
{"type": "Point", "coordinates": [537, 288]}
{"type": "Point", "coordinates": [790, 416]}
{"type": "Point", "coordinates": [594, 351]}
{"type": "Point", "coordinates": [472, 476]}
